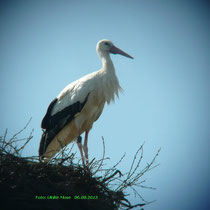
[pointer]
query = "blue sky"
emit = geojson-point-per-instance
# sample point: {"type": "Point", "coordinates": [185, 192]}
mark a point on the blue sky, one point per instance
{"type": "Point", "coordinates": [45, 45]}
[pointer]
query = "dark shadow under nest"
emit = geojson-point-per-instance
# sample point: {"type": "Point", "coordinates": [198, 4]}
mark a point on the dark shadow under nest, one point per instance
{"type": "Point", "coordinates": [27, 183]}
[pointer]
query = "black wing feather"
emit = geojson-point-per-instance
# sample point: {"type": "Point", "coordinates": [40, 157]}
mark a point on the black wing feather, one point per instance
{"type": "Point", "coordinates": [46, 120]}
{"type": "Point", "coordinates": [52, 124]}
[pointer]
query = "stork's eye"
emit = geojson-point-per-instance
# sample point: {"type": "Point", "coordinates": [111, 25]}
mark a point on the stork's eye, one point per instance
{"type": "Point", "coordinates": [107, 43]}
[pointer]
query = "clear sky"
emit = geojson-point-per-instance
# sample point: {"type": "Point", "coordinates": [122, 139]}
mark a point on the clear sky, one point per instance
{"type": "Point", "coordinates": [45, 45]}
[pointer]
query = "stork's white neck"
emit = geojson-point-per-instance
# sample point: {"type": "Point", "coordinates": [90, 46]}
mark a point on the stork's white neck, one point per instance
{"type": "Point", "coordinates": [106, 61]}
{"type": "Point", "coordinates": [109, 84]}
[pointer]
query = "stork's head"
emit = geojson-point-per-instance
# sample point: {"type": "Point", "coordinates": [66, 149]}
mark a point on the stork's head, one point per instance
{"type": "Point", "coordinates": [106, 46]}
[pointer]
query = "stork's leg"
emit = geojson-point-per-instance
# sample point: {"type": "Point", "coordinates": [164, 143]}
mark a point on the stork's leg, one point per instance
{"type": "Point", "coordinates": [85, 147]}
{"type": "Point", "coordinates": [79, 144]}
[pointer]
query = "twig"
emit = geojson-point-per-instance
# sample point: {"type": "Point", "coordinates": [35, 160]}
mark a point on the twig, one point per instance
{"type": "Point", "coordinates": [101, 162]}
{"type": "Point", "coordinates": [130, 173]}
{"type": "Point", "coordinates": [116, 172]}
{"type": "Point", "coordinates": [16, 134]}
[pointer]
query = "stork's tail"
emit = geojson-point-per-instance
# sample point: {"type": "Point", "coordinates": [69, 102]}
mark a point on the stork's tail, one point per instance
{"type": "Point", "coordinates": [42, 145]}
{"type": "Point", "coordinates": [47, 136]}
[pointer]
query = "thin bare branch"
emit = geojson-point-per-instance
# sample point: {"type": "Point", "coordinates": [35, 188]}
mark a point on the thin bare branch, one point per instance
{"type": "Point", "coordinates": [103, 156]}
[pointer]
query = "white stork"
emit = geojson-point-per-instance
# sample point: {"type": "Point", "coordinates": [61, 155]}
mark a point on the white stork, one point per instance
{"type": "Point", "coordinates": [79, 105]}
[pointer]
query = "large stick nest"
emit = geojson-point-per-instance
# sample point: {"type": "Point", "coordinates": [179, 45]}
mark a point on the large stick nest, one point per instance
{"type": "Point", "coordinates": [27, 183]}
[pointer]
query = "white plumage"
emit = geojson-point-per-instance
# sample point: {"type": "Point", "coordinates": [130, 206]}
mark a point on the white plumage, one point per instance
{"type": "Point", "coordinates": [79, 105]}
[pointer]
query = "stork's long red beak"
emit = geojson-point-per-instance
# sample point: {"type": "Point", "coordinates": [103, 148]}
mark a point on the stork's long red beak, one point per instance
{"type": "Point", "coordinates": [116, 50]}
